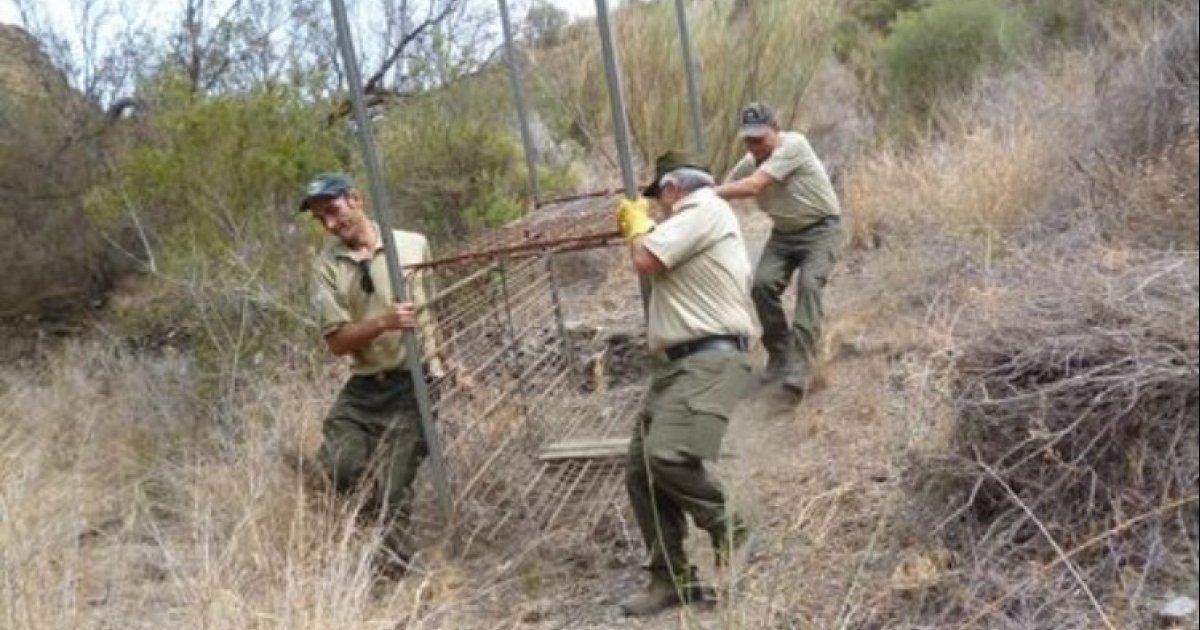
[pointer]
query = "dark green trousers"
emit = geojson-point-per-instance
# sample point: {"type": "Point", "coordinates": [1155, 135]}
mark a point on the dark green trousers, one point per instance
{"type": "Point", "coordinates": [374, 444]}
{"type": "Point", "coordinates": [681, 425]}
{"type": "Point", "coordinates": [809, 254]}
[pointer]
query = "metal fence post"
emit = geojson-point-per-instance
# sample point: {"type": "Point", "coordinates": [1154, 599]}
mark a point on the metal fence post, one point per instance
{"type": "Point", "coordinates": [383, 209]}
{"type": "Point", "coordinates": [689, 67]}
{"type": "Point", "coordinates": [514, 78]}
{"type": "Point", "coordinates": [620, 121]}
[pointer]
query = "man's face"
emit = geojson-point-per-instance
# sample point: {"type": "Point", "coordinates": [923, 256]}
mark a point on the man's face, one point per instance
{"type": "Point", "coordinates": [341, 216]}
{"type": "Point", "coordinates": [668, 196]}
{"type": "Point", "coordinates": [761, 146]}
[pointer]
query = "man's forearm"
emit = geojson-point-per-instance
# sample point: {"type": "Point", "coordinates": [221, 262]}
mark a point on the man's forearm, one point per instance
{"type": "Point", "coordinates": [739, 189]}
{"type": "Point", "coordinates": [354, 336]}
{"type": "Point", "coordinates": [644, 261]}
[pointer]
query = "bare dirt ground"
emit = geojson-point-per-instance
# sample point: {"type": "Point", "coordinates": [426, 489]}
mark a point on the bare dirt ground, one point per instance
{"type": "Point", "coordinates": [817, 480]}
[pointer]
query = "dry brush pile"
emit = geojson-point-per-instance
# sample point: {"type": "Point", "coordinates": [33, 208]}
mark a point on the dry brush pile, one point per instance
{"type": "Point", "coordinates": [1072, 469]}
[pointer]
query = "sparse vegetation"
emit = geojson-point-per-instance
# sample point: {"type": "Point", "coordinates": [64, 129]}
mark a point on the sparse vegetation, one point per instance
{"type": "Point", "coordinates": [939, 49]}
{"type": "Point", "coordinates": [1004, 434]}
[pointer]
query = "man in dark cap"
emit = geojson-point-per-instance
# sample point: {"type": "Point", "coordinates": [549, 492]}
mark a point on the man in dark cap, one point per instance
{"type": "Point", "coordinates": [373, 439]}
{"type": "Point", "coordinates": [783, 175]}
{"type": "Point", "coordinates": [699, 325]}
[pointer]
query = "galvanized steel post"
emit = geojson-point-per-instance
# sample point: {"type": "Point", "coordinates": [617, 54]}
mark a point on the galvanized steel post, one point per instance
{"type": "Point", "coordinates": [620, 121]}
{"type": "Point", "coordinates": [514, 78]}
{"type": "Point", "coordinates": [383, 208]}
{"type": "Point", "coordinates": [689, 68]}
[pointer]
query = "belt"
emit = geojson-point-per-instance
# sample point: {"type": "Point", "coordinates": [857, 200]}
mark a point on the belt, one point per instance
{"type": "Point", "coordinates": [386, 376]}
{"type": "Point", "coordinates": [706, 344]}
{"type": "Point", "coordinates": [829, 220]}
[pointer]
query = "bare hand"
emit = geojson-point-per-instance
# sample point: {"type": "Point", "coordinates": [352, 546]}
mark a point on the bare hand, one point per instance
{"type": "Point", "coordinates": [400, 316]}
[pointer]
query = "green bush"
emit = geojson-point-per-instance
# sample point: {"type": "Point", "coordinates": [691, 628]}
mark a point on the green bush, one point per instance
{"type": "Point", "coordinates": [942, 48]}
{"type": "Point", "coordinates": [210, 185]}
{"type": "Point", "coordinates": [454, 163]}
{"type": "Point", "coordinates": [217, 177]}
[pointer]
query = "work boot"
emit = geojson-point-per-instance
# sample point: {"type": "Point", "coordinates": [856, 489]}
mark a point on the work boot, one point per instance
{"type": "Point", "coordinates": [662, 594]}
{"type": "Point", "coordinates": [795, 380]}
{"type": "Point", "coordinates": [727, 545]}
{"type": "Point", "coordinates": [774, 370]}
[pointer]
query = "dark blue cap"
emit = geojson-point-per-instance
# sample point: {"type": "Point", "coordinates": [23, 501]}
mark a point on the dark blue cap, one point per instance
{"type": "Point", "coordinates": [325, 185]}
{"type": "Point", "coordinates": [757, 120]}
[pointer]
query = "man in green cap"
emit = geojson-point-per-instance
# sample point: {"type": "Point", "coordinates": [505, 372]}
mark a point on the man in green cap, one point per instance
{"type": "Point", "coordinates": [783, 175]}
{"type": "Point", "coordinates": [373, 439]}
{"type": "Point", "coordinates": [698, 326]}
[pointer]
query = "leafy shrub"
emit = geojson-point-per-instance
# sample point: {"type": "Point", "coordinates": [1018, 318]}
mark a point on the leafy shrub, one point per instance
{"type": "Point", "coordinates": [454, 163]}
{"type": "Point", "coordinates": [218, 176]}
{"type": "Point", "coordinates": [942, 48]}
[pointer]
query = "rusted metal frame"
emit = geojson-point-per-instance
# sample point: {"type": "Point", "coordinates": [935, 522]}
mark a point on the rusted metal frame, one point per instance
{"type": "Point", "coordinates": [567, 496]}
{"type": "Point", "coordinates": [491, 359]}
{"type": "Point", "coordinates": [506, 302]}
{"type": "Point", "coordinates": [614, 472]}
{"type": "Point", "coordinates": [465, 492]}
{"type": "Point", "coordinates": [477, 297]}
{"type": "Point", "coordinates": [458, 285]}
{"type": "Point", "coordinates": [479, 322]}
{"type": "Point", "coordinates": [568, 350]}
{"type": "Point", "coordinates": [533, 248]}
{"type": "Point", "coordinates": [496, 401]}
{"type": "Point", "coordinates": [607, 192]}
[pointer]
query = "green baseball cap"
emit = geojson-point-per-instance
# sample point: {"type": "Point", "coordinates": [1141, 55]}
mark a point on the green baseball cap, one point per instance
{"type": "Point", "coordinates": [325, 185]}
{"type": "Point", "coordinates": [667, 162]}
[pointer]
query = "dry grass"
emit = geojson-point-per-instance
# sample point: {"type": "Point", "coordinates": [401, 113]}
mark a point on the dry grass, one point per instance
{"type": "Point", "coordinates": [767, 50]}
{"type": "Point", "coordinates": [122, 506]}
{"type": "Point", "coordinates": [1076, 406]}
{"type": "Point", "coordinates": [1018, 319]}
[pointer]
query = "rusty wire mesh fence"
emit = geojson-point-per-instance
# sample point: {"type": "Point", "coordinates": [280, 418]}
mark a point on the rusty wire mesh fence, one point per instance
{"type": "Point", "coordinates": [532, 425]}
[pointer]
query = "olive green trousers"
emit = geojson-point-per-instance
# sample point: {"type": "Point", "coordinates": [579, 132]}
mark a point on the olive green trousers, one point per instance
{"type": "Point", "coordinates": [374, 444]}
{"type": "Point", "coordinates": [809, 254]}
{"type": "Point", "coordinates": [681, 425]}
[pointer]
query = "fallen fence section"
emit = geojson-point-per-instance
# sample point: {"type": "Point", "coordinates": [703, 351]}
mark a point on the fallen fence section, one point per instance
{"type": "Point", "coordinates": [519, 385]}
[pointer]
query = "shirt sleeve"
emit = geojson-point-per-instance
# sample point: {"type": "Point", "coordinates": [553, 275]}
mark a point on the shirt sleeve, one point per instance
{"type": "Point", "coordinates": [683, 235]}
{"type": "Point", "coordinates": [787, 159]}
{"type": "Point", "coordinates": [331, 309]}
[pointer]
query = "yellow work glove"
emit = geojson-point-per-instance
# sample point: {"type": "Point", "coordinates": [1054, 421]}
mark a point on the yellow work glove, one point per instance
{"type": "Point", "coordinates": [633, 217]}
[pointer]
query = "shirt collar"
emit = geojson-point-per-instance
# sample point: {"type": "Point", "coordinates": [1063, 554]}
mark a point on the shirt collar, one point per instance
{"type": "Point", "coordinates": [693, 199]}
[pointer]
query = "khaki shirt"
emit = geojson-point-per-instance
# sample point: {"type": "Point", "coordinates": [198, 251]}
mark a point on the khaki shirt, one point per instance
{"type": "Point", "coordinates": [706, 287]}
{"type": "Point", "coordinates": [801, 193]}
{"type": "Point", "coordinates": [339, 298]}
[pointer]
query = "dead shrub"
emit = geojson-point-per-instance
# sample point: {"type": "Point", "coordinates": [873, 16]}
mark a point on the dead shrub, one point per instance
{"type": "Point", "coordinates": [1072, 468]}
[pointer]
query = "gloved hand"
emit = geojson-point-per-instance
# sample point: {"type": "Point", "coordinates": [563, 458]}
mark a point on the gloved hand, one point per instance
{"type": "Point", "coordinates": [633, 217]}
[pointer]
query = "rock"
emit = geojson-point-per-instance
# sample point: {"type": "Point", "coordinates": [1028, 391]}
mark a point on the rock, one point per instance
{"type": "Point", "coordinates": [1177, 608]}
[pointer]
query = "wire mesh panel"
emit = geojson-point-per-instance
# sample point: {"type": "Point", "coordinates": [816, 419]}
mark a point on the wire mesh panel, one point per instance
{"type": "Point", "coordinates": [532, 445]}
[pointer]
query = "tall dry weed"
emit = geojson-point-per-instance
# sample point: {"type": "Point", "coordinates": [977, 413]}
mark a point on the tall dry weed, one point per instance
{"type": "Point", "coordinates": [766, 50]}
{"type": "Point", "coordinates": [123, 504]}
